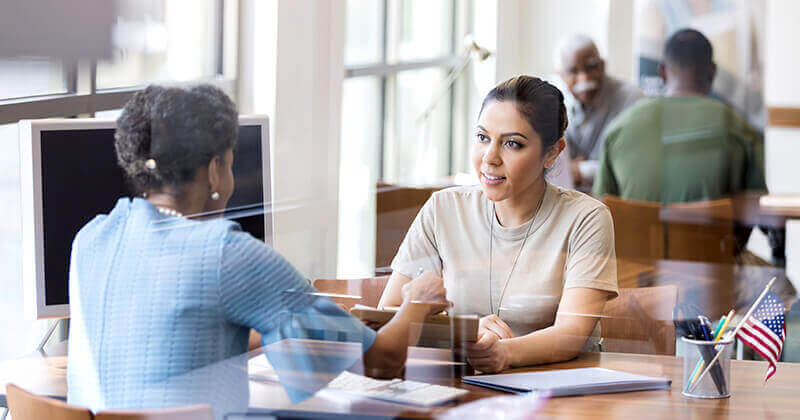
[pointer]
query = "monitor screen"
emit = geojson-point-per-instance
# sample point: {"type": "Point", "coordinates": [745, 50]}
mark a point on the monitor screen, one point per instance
{"type": "Point", "coordinates": [80, 179]}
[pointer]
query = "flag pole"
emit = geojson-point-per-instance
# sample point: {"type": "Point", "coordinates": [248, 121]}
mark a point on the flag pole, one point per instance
{"type": "Point", "coordinates": [735, 331]}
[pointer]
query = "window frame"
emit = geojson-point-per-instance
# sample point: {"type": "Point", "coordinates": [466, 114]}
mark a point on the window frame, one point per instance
{"type": "Point", "coordinates": [386, 71]}
{"type": "Point", "coordinates": [82, 97]}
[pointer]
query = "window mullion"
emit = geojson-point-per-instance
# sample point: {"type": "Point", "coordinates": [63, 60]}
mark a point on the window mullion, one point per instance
{"type": "Point", "coordinates": [451, 112]}
{"type": "Point", "coordinates": [220, 39]}
{"type": "Point", "coordinates": [71, 76]}
{"type": "Point", "coordinates": [384, 106]}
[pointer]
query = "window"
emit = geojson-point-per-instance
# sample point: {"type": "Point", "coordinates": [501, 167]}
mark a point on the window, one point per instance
{"type": "Point", "coordinates": [398, 54]}
{"type": "Point", "coordinates": [407, 46]}
{"type": "Point", "coordinates": [420, 29]}
{"type": "Point", "coordinates": [167, 41]}
{"type": "Point", "coordinates": [155, 41]}
{"type": "Point", "coordinates": [362, 116]}
{"type": "Point", "coordinates": [31, 77]}
{"type": "Point", "coordinates": [364, 33]}
{"type": "Point", "coordinates": [175, 40]}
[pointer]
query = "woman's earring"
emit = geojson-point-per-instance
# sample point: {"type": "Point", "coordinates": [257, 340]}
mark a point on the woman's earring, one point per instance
{"type": "Point", "coordinates": [215, 196]}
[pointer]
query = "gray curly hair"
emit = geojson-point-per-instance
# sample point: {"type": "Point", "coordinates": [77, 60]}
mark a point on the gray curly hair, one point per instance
{"type": "Point", "coordinates": [166, 133]}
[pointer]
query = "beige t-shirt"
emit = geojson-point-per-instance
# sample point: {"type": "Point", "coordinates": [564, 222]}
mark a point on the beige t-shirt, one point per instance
{"type": "Point", "coordinates": [570, 244]}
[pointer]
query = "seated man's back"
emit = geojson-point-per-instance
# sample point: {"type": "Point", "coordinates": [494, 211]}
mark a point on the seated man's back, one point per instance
{"type": "Point", "coordinates": [683, 146]}
{"type": "Point", "coordinates": [679, 149]}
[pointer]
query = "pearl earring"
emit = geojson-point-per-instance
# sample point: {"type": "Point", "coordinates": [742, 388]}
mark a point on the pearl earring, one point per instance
{"type": "Point", "coordinates": [215, 196]}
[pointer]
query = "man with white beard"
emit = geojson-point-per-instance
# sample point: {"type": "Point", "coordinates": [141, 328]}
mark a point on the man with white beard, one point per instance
{"type": "Point", "coordinates": [593, 100]}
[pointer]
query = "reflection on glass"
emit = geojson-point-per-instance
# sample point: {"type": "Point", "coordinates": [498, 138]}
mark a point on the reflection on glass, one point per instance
{"type": "Point", "coordinates": [364, 37]}
{"type": "Point", "coordinates": [315, 340]}
{"type": "Point", "coordinates": [422, 29]}
{"type": "Point", "coordinates": [161, 40]}
{"type": "Point", "coordinates": [30, 76]}
{"type": "Point", "coordinates": [358, 175]}
{"type": "Point", "coordinates": [417, 147]}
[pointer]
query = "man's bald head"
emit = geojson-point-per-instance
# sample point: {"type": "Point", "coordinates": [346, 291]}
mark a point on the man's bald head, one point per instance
{"type": "Point", "coordinates": [579, 64]}
{"type": "Point", "coordinates": [688, 64]}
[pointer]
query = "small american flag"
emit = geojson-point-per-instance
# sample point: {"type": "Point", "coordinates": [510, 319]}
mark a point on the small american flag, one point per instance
{"type": "Point", "coordinates": [765, 330]}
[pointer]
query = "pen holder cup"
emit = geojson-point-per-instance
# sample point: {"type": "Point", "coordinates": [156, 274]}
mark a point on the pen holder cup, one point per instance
{"type": "Point", "coordinates": [696, 356]}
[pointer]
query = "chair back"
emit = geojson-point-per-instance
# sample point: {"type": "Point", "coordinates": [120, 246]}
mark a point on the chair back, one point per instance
{"type": "Point", "coordinates": [639, 320]}
{"type": "Point", "coordinates": [396, 209]}
{"type": "Point", "coordinates": [24, 405]}
{"type": "Point", "coordinates": [709, 286]}
{"type": "Point", "coordinates": [193, 412]}
{"type": "Point", "coordinates": [348, 292]}
{"type": "Point", "coordinates": [700, 231]}
{"type": "Point", "coordinates": [638, 230]}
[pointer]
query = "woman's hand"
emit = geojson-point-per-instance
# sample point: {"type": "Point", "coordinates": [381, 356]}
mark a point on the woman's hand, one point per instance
{"type": "Point", "coordinates": [427, 288]}
{"type": "Point", "coordinates": [489, 354]}
{"type": "Point", "coordinates": [492, 324]}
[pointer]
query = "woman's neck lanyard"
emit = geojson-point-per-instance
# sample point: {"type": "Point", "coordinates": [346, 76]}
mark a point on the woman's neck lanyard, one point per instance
{"type": "Point", "coordinates": [514, 264]}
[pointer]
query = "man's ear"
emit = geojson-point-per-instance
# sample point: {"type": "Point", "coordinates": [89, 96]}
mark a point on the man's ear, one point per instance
{"type": "Point", "coordinates": [713, 73]}
{"type": "Point", "coordinates": [602, 66]}
{"type": "Point", "coordinates": [662, 72]}
{"type": "Point", "coordinates": [553, 152]}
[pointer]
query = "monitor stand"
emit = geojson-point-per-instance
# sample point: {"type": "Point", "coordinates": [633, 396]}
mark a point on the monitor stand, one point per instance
{"type": "Point", "coordinates": [49, 334]}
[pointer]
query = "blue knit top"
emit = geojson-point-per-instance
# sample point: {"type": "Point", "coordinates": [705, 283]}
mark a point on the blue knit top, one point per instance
{"type": "Point", "coordinates": [162, 306]}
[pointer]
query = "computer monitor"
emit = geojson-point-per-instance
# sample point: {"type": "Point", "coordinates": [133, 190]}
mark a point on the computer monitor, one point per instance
{"type": "Point", "coordinates": [69, 174]}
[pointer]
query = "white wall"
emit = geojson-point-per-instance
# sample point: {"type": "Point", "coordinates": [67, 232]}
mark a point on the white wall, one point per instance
{"type": "Point", "coordinates": [620, 60]}
{"type": "Point", "coordinates": [782, 57]}
{"type": "Point", "coordinates": [292, 70]}
{"type": "Point", "coordinates": [528, 31]}
{"type": "Point", "coordinates": [782, 90]}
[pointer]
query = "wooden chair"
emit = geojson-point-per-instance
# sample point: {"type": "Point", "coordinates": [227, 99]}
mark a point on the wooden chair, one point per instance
{"type": "Point", "coordinates": [24, 405]}
{"type": "Point", "coordinates": [352, 291]}
{"type": "Point", "coordinates": [193, 412]}
{"type": "Point", "coordinates": [396, 209]}
{"type": "Point", "coordinates": [638, 230]}
{"type": "Point", "coordinates": [639, 320]}
{"type": "Point", "coordinates": [700, 231]}
{"type": "Point", "coordinates": [638, 237]}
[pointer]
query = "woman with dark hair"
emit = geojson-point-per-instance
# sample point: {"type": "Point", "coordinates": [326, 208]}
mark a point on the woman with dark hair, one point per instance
{"type": "Point", "coordinates": [157, 296]}
{"type": "Point", "coordinates": [535, 261]}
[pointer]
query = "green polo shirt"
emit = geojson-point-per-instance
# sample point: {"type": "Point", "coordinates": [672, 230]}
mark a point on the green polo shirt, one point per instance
{"type": "Point", "coordinates": [679, 149]}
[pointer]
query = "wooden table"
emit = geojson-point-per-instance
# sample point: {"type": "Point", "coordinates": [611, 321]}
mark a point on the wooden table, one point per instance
{"type": "Point", "coordinates": [749, 212]}
{"type": "Point", "coordinates": [750, 399]}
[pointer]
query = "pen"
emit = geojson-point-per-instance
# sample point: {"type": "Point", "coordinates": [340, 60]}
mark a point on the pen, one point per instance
{"type": "Point", "coordinates": [719, 327]}
{"type": "Point", "coordinates": [704, 327]}
{"type": "Point", "coordinates": [721, 330]}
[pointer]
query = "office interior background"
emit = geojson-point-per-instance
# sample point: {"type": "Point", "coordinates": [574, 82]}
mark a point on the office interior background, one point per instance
{"type": "Point", "coordinates": [358, 96]}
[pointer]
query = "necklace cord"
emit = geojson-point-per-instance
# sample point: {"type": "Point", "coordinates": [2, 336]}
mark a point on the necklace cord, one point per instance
{"type": "Point", "coordinates": [493, 216]}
